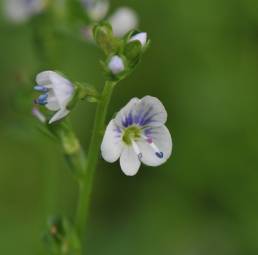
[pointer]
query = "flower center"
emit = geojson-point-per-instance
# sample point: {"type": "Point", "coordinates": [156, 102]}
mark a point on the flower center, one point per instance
{"type": "Point", "coordinates": [131, 134]}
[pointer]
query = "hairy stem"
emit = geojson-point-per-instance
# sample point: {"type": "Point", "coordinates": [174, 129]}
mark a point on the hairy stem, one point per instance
{"type": "Point", "coordinates": [93, 155]}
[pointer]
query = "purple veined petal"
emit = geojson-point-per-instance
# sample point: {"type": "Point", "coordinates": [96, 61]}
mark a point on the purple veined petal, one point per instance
{"type": "Point", "coordinates": [156, 148]}
{"type": "Point", "coordinates": [152, 112]}
{"type": "Point", "coordinates": [121, 118]}
{"type": "Point", "coordinates": [111, 146]}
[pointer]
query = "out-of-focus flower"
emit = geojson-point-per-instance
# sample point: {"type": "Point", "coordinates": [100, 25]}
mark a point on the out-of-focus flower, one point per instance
{"type": "Point", "coordinates": [57, 93]}
{"type": "Point", "coordinates": [141, 37]}
{"type": "Point", "coordinates": [21, 10]}
{"type": "Point", "coordinates": [96, 9]}
{"type": "Point", "coordinates": [116, 65]}
{"type": "Point", "coordinates": [123, 20]}
{"type": "Point", "coordinates": [138, 134]}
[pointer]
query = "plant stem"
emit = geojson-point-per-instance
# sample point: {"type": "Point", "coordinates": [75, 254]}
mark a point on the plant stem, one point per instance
{"type": "Point", "coordinates": [94, 148]}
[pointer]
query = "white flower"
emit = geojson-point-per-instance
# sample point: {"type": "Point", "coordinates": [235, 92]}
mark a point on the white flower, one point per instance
{"type": "Point", "coordinates": [57, 93]}
{"type": "Point", "coordinates": [138, 134]}
{"type": "Point", "coordinates": [141, 37]}
{"type": "Point", "coordinates": [97, 9]}
{"type": "Point", "coordinates": [116, 65]}
{"type": "Point", "coordinates": [123, 20]}
{"type": "Point", "coordinates": [21, 10]}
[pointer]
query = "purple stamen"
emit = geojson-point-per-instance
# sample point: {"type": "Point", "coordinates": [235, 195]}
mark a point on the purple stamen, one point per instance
{"type": "Point", "coordinates": [42, 100]}
{"type": "Point", "coordinates": [40, 88]}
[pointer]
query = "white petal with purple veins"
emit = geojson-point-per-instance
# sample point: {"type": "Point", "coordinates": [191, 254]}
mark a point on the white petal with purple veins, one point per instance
{"type": "Point", "coordinates": [162, 144]}
{"type": "Point", "coordinates": [150, 112]}
{"type": "Point", "coordinates": [111, 145]}
{"type": "Point", "coordinates": [123, 114]}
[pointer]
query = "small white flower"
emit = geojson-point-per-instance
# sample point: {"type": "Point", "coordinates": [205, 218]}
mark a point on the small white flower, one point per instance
{"type": "Point", "coordinates": [138, 134]}
{"type": "Point", "coordinates": [57, 93]}
{"type": "Point", "coordinates": [21, 10]}
{"type": "Point", "coordinates": [96, 9]}
{"type": "Point", "coordinates": [116, 65]}
{"type": "Point", "coordinates": [123, 20]}
{"type": "Point", "coordinates": [141, 37]}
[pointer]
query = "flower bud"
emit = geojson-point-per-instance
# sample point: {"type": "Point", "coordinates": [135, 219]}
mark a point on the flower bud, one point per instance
{"type": "Point", "coordinates": [97, 10]}
{"type": "Point", "coordinates": [104, 37]}
{"type": "Point", "coordinates": [123, 20]}
{"type": "Point", "coordinates": [18, 11]}
{"type": "Point", "coordinates": [116, 65]}
{"type": "Point", "coordinates": [141, 37]}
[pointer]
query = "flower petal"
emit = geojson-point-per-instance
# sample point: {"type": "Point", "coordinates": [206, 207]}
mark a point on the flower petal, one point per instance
{"type": "Point", "coordinates": [162, 139]}
{"type": "Point", "coordinates": [59, 115]}
{"type": "Point", "coordinates": [111, 145]}
{"type": "Point", "coordinates": [150, 112]}
{"type": "Point", "coordinates": [123, 117]}
{"type": "Point", "coordinates": [52, 103]}
{"type": "Point", "coordinates": [129, 161]}
{"type": "Point", "coordinates": [44, 78]}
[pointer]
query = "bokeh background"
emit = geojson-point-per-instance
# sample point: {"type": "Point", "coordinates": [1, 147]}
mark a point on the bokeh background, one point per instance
{"type": "Point", "coordinates": [203, 65]}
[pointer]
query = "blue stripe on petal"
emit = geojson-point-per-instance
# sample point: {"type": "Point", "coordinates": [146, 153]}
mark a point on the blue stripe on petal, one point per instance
{"type": "Point", "coordinates": [145, 116]}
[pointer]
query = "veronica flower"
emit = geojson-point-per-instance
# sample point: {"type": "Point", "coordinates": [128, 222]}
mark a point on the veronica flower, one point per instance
{"type": "Point", "coordinates": [138, 134]}
{"type": "Point", "coordinates": [22, 10]}
{"type": "Point", "coordinates": [123, 20]}
{"type": "Point", "coordinates": [96, 9]}
{"type": "Point", "coordinates": [57, 93]}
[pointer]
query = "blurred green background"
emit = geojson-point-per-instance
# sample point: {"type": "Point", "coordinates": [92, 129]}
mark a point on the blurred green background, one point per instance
{"type": "Point", "coordinates": [203, 65]}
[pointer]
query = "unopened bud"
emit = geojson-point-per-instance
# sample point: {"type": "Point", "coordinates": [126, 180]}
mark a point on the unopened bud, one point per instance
{"type": "Point", "coordinates": [116, 65]}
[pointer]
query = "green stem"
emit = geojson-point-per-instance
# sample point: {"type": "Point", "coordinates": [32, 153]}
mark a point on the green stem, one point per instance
{"type": "Point", "coordinates": [94, 148]}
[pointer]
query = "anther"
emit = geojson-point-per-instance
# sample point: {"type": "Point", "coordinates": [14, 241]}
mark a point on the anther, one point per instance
{"type": "Point", "coordinates": [40, 88]}
{"type": "Point", "coordinates": [42, 100]}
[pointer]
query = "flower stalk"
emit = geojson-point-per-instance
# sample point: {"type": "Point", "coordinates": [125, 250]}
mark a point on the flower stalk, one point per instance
{"type": "Point", "coordinates": [86, 183]}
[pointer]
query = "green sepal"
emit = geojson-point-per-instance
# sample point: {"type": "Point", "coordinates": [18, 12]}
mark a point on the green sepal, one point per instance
{"type": "Point", "coordinates": [103, 36]}
{"type": "Point", "coordinates": [60, 237]}
{"type": "Point", "coordinates": [133, 53]}
{"type": "Point", "coordinates": [83, 91]}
